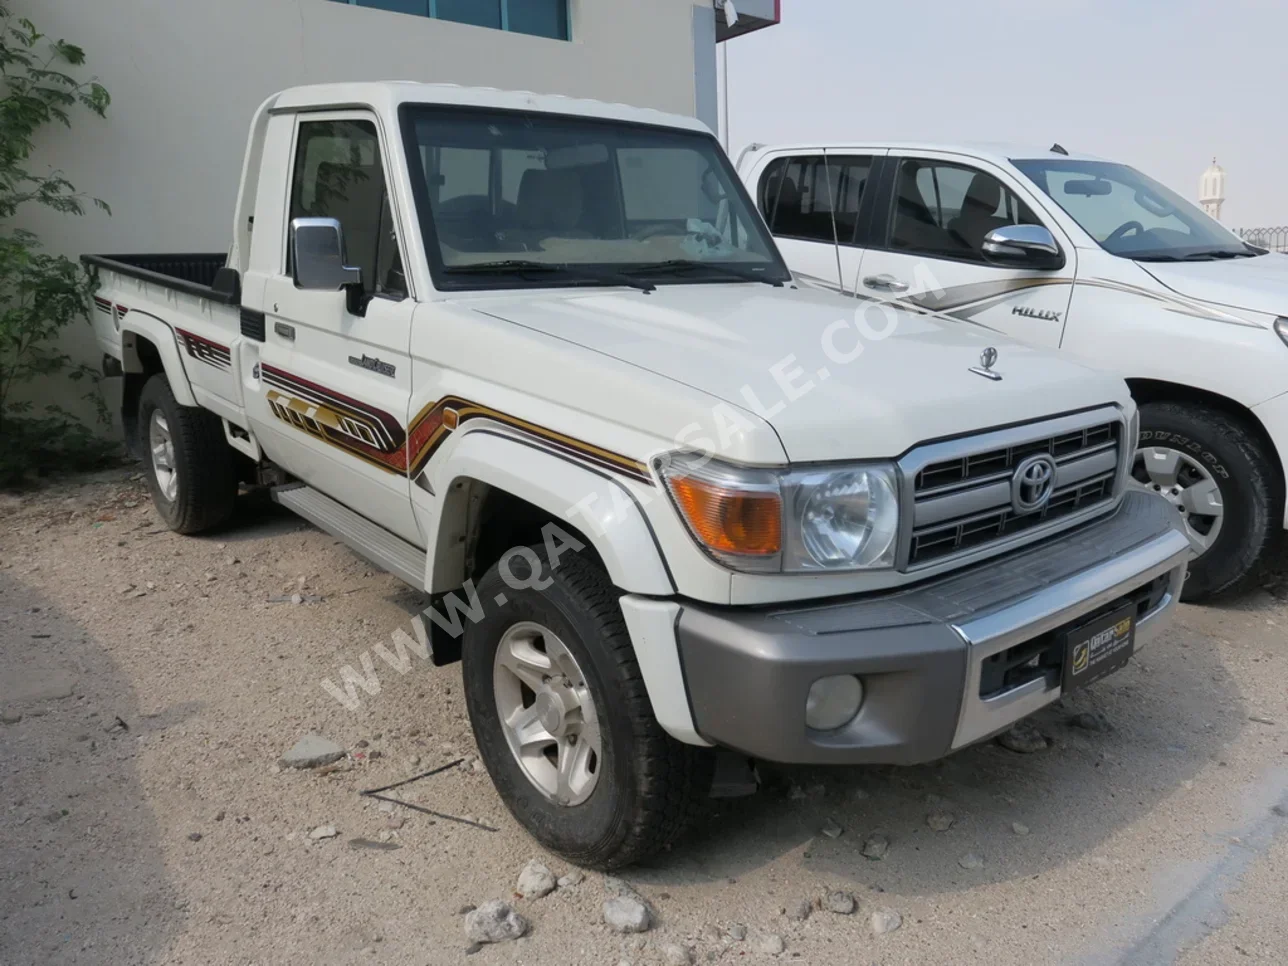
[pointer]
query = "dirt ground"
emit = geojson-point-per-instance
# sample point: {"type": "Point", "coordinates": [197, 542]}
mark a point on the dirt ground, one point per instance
{"type": "Point", "coordinates": [150, 682]}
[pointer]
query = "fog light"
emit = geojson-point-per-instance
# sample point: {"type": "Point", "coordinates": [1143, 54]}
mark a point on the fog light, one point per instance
{"type": "Point", "coordinates": [833, 702]}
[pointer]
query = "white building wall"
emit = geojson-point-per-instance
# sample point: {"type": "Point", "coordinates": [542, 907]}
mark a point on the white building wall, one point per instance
{"type": "Point", "coordinates": [186, 75]}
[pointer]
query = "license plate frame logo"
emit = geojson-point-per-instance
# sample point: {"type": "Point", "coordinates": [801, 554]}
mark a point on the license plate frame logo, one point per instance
{"type": "Point", "coordinates": [1098, 647]}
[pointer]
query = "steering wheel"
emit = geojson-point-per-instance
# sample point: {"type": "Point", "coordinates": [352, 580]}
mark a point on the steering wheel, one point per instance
{"type": "Point", "coordinates": [1122, 230]}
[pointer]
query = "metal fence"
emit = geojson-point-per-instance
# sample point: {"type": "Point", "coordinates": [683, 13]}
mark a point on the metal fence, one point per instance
{"type": "Point", "coordinates": [1276, 239]}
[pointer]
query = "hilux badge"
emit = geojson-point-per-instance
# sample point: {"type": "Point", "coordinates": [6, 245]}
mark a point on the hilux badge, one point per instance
{"type": "Point", "coordinates": [987, 359]}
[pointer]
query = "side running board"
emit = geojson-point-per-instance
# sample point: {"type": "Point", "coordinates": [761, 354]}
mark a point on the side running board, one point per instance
{"type": "Point", "coordinates": [374, 542]}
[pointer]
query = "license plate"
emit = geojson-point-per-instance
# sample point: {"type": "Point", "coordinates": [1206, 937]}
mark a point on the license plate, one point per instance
{"type": "Point", "coordinates": [1098, 647]}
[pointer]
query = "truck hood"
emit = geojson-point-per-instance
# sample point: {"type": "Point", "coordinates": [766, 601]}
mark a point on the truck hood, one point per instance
{"type": "Point", "coordinates": [1257, 284]}
{"type": "Point", "coordinates": [792, 358]}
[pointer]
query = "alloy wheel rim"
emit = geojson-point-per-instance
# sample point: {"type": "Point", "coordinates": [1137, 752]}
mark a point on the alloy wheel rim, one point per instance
{"type": "Point", "coordinates": [1186, 484]}
{"type": "Point", "coordinates": [163, 462]}
{"type": "Point", "coordinates": [547, 713]}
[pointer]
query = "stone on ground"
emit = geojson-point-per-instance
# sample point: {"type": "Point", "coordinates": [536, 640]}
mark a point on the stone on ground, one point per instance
{"type": "Point", "coordinates": [674, 954]}
{"type": "Point", "coordinates": [535, 881]}
{"type": "Point", "coordinates": [627, 914]}
{"type": "Point", "coordinates": [941, 820]}
{"type": "Point", "coordinates": [971, 861]}
{"type": "Point", "coordinates": [312, 751]}
{"type": "Point", "coordinates": [1024, 738]}
{"type": "Point", "coordinates": [1090, 721]}
{"type": "Point", "coordinates": [884, 921]}
{"type": "Point", "coordinates": [494, 922]}
{"type": "Point", "coordinates": [771, 945]}
{"type": "Point", "coordinates": [842, 903]}
{"type": "Point", "coordinates": [875, 846]}
{"type": "Point", "coordinates": [573, 878]}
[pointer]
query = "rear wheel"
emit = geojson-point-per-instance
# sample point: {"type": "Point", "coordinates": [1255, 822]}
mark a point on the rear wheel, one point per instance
{"type": "Point", "coordinates": [190, 468]}
{"type": "Point", "coordinates": [564, 723]}
{"type": "Point", "coordinates": [1224, 485]}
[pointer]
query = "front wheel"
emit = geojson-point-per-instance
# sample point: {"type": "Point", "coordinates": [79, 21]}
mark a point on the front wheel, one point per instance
{"type": "Point", "coordinates": [563, 719]}
{"type": "Point", "coordinates": [1225, 487]}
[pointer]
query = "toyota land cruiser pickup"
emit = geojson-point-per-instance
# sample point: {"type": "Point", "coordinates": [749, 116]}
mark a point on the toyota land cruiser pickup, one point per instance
{"type": "Point", "coordinates": [541, 359]}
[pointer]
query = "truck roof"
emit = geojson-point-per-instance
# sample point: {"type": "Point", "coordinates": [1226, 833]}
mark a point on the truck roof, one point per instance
{"type": "Point", "coordinates": [996, 151]}
{"type": "Point", "coordinates": [389, 95]}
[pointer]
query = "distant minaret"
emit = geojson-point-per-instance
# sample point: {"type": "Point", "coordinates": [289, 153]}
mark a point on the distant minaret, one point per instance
{"type": "Point", "coordinates": [1212, 190]}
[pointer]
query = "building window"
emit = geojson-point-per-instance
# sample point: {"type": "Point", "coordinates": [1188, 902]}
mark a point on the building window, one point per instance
{"type": "Point", "coordinates": [539, 18]}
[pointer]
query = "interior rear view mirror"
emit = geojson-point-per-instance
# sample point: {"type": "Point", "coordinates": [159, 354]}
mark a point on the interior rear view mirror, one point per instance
{"type": "Point", "coordinates": [1088, 187]}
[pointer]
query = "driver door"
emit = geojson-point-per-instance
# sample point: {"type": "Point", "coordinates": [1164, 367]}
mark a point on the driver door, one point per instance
{"type": "Point", "coordinates": [929, 256]}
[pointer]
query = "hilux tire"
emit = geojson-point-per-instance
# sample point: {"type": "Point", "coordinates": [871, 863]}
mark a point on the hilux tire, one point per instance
{"type": "Point", "coordinates": [189, 466]}
{"type": "Point", "coordinates": [563, 720]}
{"type": "Point", "coordinates": [1226, 487]}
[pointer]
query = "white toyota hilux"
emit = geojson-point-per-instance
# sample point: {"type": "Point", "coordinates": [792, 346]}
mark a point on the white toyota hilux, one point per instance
{"type": "Point", "coordinates": [1088, 256]}
{"type": "Point", "coordinates": [540, 358]}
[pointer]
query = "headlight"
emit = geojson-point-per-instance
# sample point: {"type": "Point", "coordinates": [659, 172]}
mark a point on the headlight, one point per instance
{"type": "Point", "coordinates": [788, 521]}
{"type": "Point", "coordinates": [1281, 326]}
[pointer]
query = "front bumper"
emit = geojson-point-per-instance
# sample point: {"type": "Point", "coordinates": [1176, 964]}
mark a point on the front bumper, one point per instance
{"type": "Point", "coordinates": [931, 658]}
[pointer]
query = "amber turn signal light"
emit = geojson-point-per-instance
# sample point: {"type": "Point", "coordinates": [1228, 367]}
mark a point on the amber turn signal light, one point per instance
{"type": "Point", "coordinates": [730, 520]}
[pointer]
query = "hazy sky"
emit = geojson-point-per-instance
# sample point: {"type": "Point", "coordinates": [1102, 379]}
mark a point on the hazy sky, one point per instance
{"type": "Point", "coordinates": [1159, 84]}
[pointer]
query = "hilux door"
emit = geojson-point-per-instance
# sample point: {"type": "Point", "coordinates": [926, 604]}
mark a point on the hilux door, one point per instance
{"type": "Point", "coordinates": [329, 393]}
{"type": "Point", "coordinates": [929, 253]}
{"type": "Point", "coordinates": [794, 193]}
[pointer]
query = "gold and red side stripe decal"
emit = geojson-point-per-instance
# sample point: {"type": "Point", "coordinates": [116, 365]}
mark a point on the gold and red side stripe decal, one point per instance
{"type": "Point", "coordinates": [377, 438]}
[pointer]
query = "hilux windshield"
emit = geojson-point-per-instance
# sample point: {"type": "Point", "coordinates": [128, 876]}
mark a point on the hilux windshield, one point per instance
{"type": "Point", "coordinates": [511, 200]}
{"type": "Point", "coordinates": [1131, 215]}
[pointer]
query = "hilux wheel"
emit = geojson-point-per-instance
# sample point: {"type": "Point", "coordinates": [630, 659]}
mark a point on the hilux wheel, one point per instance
{"type": "Point", "coordinates": [1224, 486]}
{"type": "Point", "coordinates": [563, 720]}
{"type": "Point", "coordinates": [188, 464]}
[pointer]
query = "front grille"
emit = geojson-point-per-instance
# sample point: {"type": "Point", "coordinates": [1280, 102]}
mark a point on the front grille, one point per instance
{"type": "Point", "coordinates": [962, 499]}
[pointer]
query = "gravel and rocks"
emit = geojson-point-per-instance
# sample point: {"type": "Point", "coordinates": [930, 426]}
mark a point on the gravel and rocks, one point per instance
{"type": "Point", "coordinates": [572, 879]}
{"type": "Point", "coordinates": [494, 922]}
{"type": "Point", "coordinates": [736, 931]}
{"type": "Point", "coordinates": [312, 751]}
{"type": "Point", "coordinates": [323, 832]}
{"type": "Point", "coordinates": [627, 914]}
{"type": "Point", "coordinates": [1023, 738]}
{"type": "Point", "coordinates": [799, 912]}
{"type": "Point", "coordinates": [1019, 828]}
{"type": "Point", "coordinates": [673, 954]}
{"type": "Point", "coordinates": [832, 829]}
{"type": "Point", "coordinates": [841, 903]}
{"type": "Point", "coordinates": [875, 846]}
{"type": "Point", "coordinates": [535, 881]}
{"type": "Point", "coordinates": [971, 861]}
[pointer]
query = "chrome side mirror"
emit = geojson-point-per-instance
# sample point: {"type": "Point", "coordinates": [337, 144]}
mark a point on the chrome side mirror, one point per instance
{"type": "Point", "coordinates": [317, 256]}
{"type": "Point", "coordinates": [1023, 246]}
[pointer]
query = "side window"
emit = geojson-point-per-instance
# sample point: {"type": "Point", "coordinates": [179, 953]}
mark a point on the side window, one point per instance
{"type": "Point", "coordinates": [338, 175]}
{"type": "Point", "coordinates": [946, 210]}
{"type": "Point", "coordinates": [796, 199]}
{"type": "Point", "coordinates": [847, 178]}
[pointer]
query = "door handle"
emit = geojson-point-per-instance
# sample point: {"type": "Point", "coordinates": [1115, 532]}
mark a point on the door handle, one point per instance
{"type": "Point", "coordinates": [885, 283]}
{"type": "Point", "coordinates": [287, 332]}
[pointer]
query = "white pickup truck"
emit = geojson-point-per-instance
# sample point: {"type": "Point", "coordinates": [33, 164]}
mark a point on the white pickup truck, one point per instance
{"type": "Point", "coordinates": [540, 358]}
{"type": "Point", "coordinates": [1072, 252]}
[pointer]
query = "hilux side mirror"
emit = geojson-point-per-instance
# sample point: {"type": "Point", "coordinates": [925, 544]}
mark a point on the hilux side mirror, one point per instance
{"type": "Point", "coordinates": [317, 256]}
{"type": "Point", "coordinates": [1023, 246]}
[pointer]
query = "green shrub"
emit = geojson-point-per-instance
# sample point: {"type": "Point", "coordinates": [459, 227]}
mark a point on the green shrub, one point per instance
{"type": "Point", "coordinates": [40, 294]}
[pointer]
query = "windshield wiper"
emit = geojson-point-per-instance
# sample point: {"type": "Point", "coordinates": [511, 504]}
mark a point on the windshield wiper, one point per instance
{"type": "Point", "coordinates": [1207, 256]}
{"type": "Point", "coordinates": [522, 266]}
{"type": "Point", "coordinates": [692, 264]}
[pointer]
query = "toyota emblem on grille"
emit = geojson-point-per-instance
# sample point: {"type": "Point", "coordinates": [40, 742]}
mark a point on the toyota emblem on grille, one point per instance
{"type": "Point", "coordinates": [1032, 484]}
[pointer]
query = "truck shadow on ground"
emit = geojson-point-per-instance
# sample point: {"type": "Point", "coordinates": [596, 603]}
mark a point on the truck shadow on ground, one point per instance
{"type": "Point", "coordinates": [82, 874]}
{"type": "Point", "coordinates": [1171, 712]}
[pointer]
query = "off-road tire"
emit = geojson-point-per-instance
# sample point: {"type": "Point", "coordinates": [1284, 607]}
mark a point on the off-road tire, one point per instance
{"type": "Point", "coordinates": [650, 786]}
{"type": "Point", "coordinates": [204, 462]}
{"type": "Point", "coordinates": [1250, 484]}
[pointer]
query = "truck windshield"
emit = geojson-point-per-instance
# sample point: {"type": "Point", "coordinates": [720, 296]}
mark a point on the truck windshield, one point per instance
{"type": "Point", "coordinates": [1131, 215]}
{"type": "Point", "coordinates": [523, 200]}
